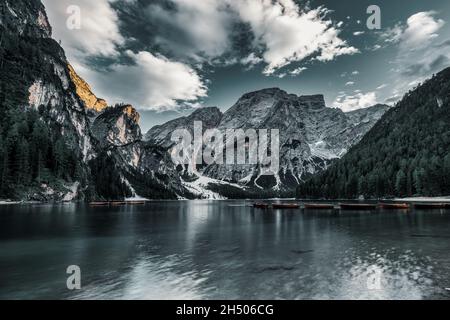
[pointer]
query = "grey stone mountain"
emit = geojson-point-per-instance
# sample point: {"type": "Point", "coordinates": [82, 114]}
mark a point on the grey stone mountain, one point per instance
{"type": "Point", "coordinates": [160, 135]}
{"type": "Point", "coordinates": [311, 136]}
{"type": "Point", "coordinates": [109, 158]}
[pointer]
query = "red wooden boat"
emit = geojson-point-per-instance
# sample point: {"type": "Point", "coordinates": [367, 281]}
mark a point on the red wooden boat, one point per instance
{"type": "Point", "coordinates": [394, 206]}
{"type": "Point", "coordinates": [319, 206]}
{"type": "Point", "coordinates": [286, 206]}
{"type": "Point", "coordinates": [430, 205]}
{"type": "Point", "coordinates": [261, 205]}
{"type": "Point", "coordinates": [136, 202]}
{"type": "Point", "coordinates": [357, 206]}
{"type": "Point", "coordinates": [98, 204]}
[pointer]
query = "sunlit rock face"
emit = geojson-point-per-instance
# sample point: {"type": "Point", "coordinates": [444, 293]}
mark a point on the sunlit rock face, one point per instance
{"type": "Point", "coordinates": [85, 93]}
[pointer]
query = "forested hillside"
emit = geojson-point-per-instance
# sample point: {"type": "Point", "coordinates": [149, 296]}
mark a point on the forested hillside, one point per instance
{"type": "Point", "coordinates": [407, 152]}
{"type": "Point", "coordinates": [32, 152]}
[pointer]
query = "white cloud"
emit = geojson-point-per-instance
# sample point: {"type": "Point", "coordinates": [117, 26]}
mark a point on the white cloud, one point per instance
{"type": "Point", "coordinates": [283, 33]}
{"type": "Point", "coordinates": [418, 57]}
{"type": "Point", "coordinates": [355, 73]}
{"type": "Point", "coordinates": [392, 35]}
{"type": "Point", "coordinates": [288, 34]}
{"type": "Point", "coordinates": [349, 84]}
{"type": "Point", "coordinates": [99, 33]}
{"type": "Point", "coordinates": [297, 71]}
{"type": "Point", "coordinates": [251, 60]}
{"type": "Point", "coordinates": [357, 101]}
{"type": "Point", "coordinates": [204, 26]}
{"type": "Point", "coordinates": [421, 27]}
{"type": "Point", "coordinates": [152, 82]}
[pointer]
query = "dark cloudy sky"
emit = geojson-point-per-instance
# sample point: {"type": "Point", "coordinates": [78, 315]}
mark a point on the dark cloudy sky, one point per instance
{"type": "Point", "coordinates": [167, 57]}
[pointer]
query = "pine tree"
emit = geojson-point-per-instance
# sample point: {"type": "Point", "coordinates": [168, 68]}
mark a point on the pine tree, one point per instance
{"type": "Point", "coordinates": [60, 157]}
{"type": "Point", "coordinates": [22, 158]}
{"type": "Point", "coordinates": [400, 182]}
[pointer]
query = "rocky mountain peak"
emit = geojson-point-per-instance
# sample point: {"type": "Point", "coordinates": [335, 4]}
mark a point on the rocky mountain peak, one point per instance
{"type": "Point", "coordinates": [313, 101]}
{"type": "Point", "coordinates": [85, 93]}
{"type": "Point", "coordinates": [264, 92]}
{"type": "Point", "coordinates": [209, 115]}
{"type": "Point", "coordinates": [25, 18]}
{"type": "Point", "coordinates": [132, 113]}
{"type": "Point", "coordinates": [117, 126]}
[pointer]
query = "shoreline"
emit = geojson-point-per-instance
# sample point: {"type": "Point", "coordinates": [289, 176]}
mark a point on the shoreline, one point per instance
{"type": "Point", "coordinates": [445, 199]}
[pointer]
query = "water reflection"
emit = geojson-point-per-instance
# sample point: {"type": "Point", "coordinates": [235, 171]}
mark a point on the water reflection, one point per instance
{"type": "Point", "coordinates": [222, 250]}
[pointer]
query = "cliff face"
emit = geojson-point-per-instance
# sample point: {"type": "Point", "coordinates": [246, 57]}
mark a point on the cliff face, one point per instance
{"type": "Point", "coordinates": [84, 92]}
{"type": "Point", "coordinates": [117, 126]}
{"type": "Point", "coordinates": [127, 166]}
{"type": "Point", "coordinates": [36, 85]}
{"type": "Point", "coordinates": [311, 136]}
{"type": "Point", "coordinates": [25, 18]}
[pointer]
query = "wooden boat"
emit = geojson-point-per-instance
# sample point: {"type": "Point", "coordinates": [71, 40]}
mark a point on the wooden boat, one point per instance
{"type": "Point", "coordinates": [118, 203]}
{"type": "Point", "coordinates": [430, 205]}
{"type": "Point", "coordinates": [98, 204]}
{"type": "Point", "coordinates": [394, 206]}
{"type": "Point", "coordinates": [261, 206]}
{"type": "Point", "coordinates": [357, 206]}
{"type": "Point", "coordinates": [319, 206]}
{"type": "Point", "coordinates": [286, 206]}
{"type": "Point", "coordinates": [136, 203]}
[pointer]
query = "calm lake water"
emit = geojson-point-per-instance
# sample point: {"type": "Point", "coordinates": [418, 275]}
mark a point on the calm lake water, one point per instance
{"type": "Point", "coordinates": [222, 250]}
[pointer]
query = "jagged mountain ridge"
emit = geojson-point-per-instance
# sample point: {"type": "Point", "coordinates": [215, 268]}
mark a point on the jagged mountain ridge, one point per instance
{"type": "Point", "coordinates": [311, 135]}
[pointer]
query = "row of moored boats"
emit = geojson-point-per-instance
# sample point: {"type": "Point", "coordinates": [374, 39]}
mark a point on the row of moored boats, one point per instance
{"type": "Point", "coordinates": [115, 203]}
{"type": "Point", "coordinates": [351, 206]}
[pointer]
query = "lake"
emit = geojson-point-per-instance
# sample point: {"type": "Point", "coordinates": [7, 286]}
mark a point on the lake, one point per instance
{"type": "Point", "coordinates": [222, 250]}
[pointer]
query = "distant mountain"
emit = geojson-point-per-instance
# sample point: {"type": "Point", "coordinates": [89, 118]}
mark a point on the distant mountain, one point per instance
{"type": "Point", "coordinates": [311, 136]}
{"type": "Point", "coordinates": [406, 153]}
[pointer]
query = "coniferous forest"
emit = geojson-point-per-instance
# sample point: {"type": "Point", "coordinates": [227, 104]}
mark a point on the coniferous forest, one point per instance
{"type": "Point", "coordinates": [407, 153]}
{"type": "Point", "coordinates": [31, 152]}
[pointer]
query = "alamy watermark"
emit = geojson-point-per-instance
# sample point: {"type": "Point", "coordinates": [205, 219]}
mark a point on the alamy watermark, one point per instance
{"type": "Point", "coordinates": [73, 22]}
{"type": "Point", "coordinates": [74, 280]}
{"type": "Point", "coordinates": [228, 146]}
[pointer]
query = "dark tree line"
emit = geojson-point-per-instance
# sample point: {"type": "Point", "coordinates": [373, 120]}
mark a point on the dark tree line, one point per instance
{"type": "Point", "coordinates": [407, 153]}
{"type": "Point", "coordinates": [31, 155]}
{"type": "Point", "coordinates": [31, 152]}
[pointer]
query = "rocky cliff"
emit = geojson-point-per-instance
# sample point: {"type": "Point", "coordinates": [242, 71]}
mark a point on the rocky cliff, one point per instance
{"type": "Point", "coordinates": [36, 85]}
{"type": "Point", "coordinates": [311, 136]}
{"type": "Point", "coordinates": [85, 93]}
